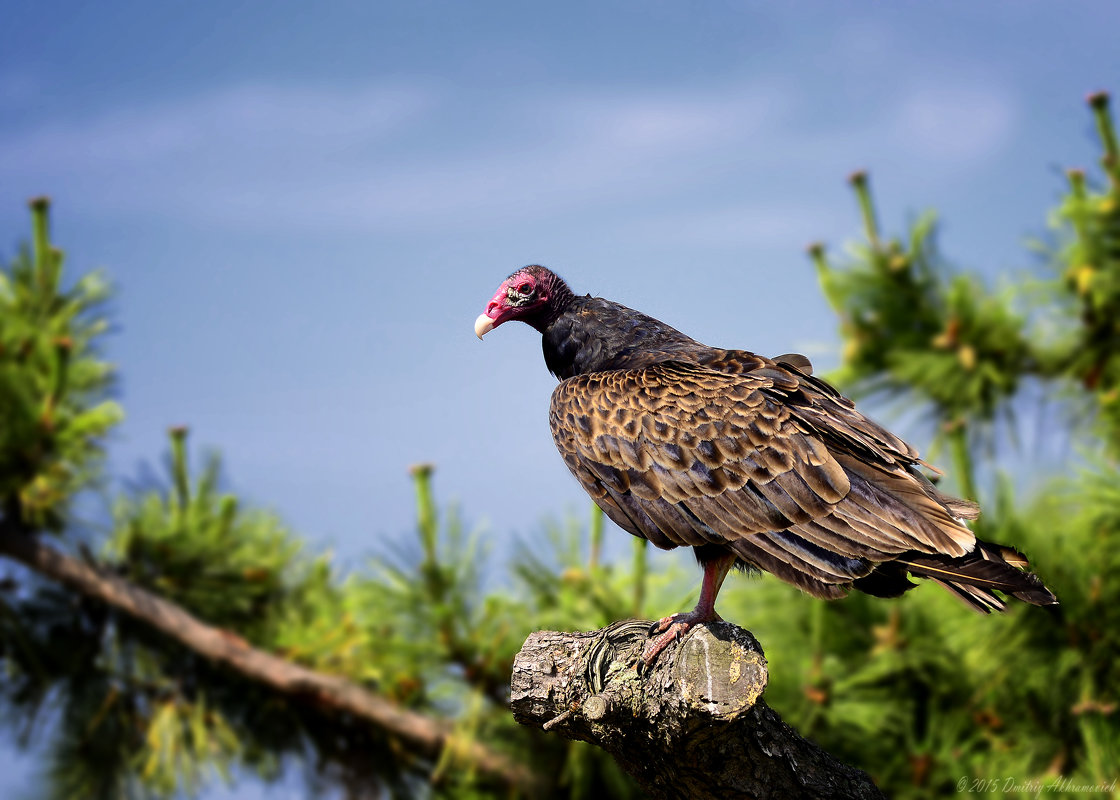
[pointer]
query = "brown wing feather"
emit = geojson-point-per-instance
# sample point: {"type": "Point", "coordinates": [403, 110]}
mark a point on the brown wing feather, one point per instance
{"type": "Point", "coordinates": [756, 456]}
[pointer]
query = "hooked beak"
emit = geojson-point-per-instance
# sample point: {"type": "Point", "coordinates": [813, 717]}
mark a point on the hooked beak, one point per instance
{"type": "Point", "coordinates": [482, 326]}
{"type": "Point", "coordinates": [497, 312]}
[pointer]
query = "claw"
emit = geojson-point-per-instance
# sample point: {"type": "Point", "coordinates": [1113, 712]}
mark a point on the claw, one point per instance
{"type": "Point", "coordinates": [654, 648]}
{"type": "Point", "coordinates": [671, 629]}
{"type": "Point", "coordinates": [676, 626]}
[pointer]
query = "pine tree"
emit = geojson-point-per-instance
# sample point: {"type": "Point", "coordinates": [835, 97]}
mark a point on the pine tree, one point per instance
{"type": "Point", "coordinates": [928, 697]}
{"type": "Point", "coordinates": [198, 639]}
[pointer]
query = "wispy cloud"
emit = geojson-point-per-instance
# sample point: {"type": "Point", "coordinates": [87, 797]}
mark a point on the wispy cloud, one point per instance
{"type": "Point", "coordinates": [762, 223]}
{"type": "Point", "coordinates": [408, 157]}
{"type": "Point", "coordinates": [367, 157]}
{"type": "Point", "coordinates": [670, 120]}
{"type": "Point", "coordinates": [243, 124]}
{"type": "Point", "coordinates": [956, 123]}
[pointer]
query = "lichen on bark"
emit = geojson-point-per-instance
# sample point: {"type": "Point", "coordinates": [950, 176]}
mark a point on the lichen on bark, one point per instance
{"type": "Point", "coordinates": [692, 725]}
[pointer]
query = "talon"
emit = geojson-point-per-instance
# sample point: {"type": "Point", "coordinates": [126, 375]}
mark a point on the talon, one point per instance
{"type": "Point", "coordinates": [676, 626]}
{"type": "Point", "coordinates": [673, 629]}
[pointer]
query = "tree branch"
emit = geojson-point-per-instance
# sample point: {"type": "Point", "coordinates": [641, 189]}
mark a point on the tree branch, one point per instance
{"type": "Point", "coordinates": [429, 737]}
{"type": "Point", "coordinates": [693, 727]}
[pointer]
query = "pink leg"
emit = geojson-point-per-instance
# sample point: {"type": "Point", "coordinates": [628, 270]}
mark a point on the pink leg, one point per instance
{"type": "Point", "coordinates": [676, 626]}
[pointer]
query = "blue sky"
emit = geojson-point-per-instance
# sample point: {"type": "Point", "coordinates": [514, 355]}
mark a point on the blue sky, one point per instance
{"type": "Point", "coordinates": [305, 206]}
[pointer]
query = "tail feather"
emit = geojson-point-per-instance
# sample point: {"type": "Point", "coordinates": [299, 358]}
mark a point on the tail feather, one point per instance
{"type": "Point", "coordinates": [975, 577]}
{"type": "Point", "coordinates": [983, 600]}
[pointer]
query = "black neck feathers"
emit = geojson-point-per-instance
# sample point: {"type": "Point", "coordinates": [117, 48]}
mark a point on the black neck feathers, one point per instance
{"type": "Point", "coordinates": [592, 335]}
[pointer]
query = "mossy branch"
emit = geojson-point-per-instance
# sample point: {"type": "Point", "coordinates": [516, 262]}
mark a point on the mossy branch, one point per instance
{"type": "Point", "coordinates": [692, 726]}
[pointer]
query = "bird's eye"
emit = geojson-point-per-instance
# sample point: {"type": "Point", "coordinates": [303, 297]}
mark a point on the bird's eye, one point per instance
{"type": "Point", "coordinates": [525, 288]}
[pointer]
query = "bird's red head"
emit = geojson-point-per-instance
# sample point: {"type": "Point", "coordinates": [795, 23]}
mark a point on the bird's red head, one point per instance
{"type": "Point", "coordinates": [525, 295]}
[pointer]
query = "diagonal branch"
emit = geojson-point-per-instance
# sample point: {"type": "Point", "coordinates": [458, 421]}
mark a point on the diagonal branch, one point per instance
{"type": "Point", "coordinates": [427, 736]}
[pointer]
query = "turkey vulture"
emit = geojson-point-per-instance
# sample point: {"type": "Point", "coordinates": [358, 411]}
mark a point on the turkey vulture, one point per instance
{"type": "Point", "coordinates": [749, 460]}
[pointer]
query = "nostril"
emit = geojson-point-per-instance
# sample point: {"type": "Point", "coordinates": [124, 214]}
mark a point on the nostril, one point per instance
{"type": "Point", "coordinates": [490, 309]}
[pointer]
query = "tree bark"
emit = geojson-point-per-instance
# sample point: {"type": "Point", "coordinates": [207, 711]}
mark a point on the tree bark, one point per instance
{"type": "Point", "coordinates": [691, 726]}
{"type": "Point", "coordinates": [425, 735]}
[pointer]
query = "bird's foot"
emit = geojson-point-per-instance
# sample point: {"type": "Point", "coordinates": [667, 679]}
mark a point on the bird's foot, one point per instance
{"type": "Point", "coordinates": [673, 628]}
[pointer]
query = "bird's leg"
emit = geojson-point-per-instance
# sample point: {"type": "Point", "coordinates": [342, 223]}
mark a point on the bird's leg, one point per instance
{"type": "Point", "coordinates": [676, 626]}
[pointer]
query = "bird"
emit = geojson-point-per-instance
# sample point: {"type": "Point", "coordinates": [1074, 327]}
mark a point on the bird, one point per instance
{"type": "Point", "coordinates": [753, 462]}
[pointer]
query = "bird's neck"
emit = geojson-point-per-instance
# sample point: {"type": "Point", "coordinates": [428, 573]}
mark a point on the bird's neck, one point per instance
{"type": "Point", "coordinates": [561, 298]}
{"type": "Point", "coordinates": [593, 335]}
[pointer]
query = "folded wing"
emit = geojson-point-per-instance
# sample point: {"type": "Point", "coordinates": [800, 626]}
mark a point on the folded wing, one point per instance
{"type": "Point", "coordinates": [757, 457]}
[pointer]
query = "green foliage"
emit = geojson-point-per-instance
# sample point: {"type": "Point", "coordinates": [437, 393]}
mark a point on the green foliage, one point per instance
{"type": "Point", "coordinates": [1088, 263]}
{"type": "Point", "coordinates": [911, 325]}
{"type": "Point", "coordinates": [921, 692]}
{"type": "Point", "coordinates": [452, 642]}
{"type": "Point", "coordinates": [936, 693]}
{"type": "Point", "coordinates": [193, 546]}
{"type": "Point", "coordinates": [52, 383]}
